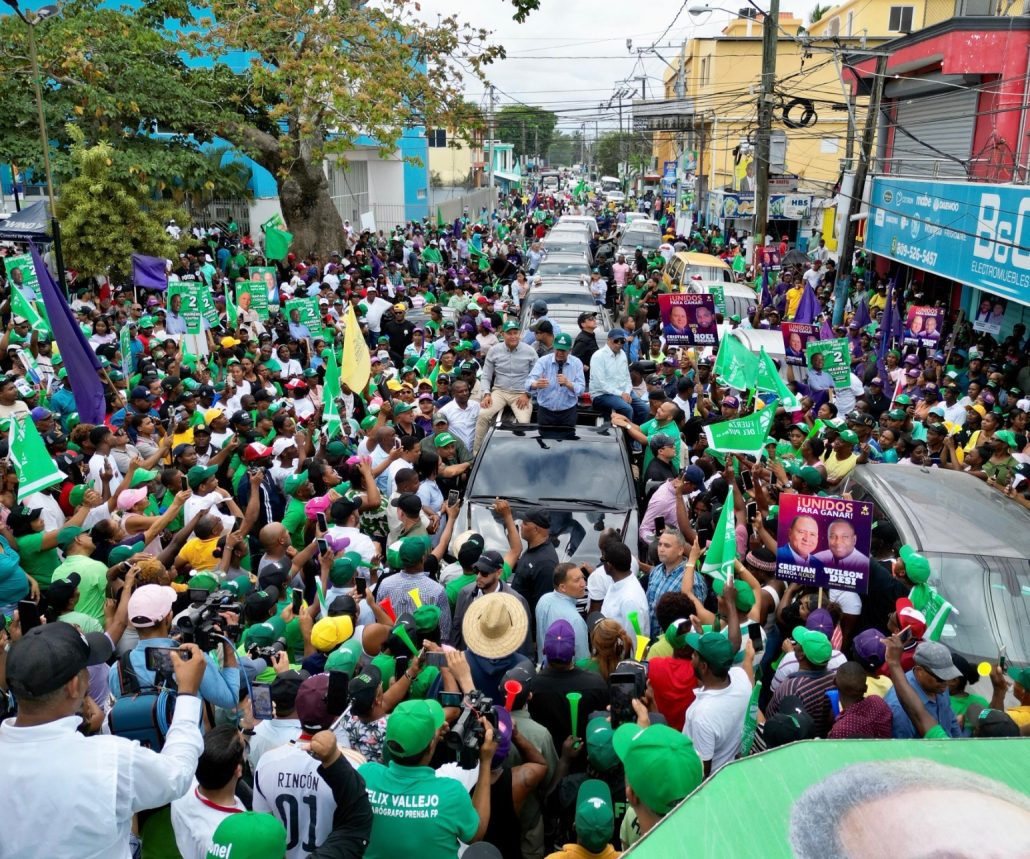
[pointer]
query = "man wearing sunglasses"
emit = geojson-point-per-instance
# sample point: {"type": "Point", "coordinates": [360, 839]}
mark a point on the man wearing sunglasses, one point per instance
{"type": "Point", "coordinates": [610, 387]}
{"type": "Point", "coordinates": [929, 678]}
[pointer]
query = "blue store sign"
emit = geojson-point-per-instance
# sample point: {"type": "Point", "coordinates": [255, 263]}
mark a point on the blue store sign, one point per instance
{"type": "Point", "coordinates": [975, 233]}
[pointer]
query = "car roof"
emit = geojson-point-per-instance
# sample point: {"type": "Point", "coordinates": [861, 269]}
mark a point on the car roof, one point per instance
{"type": "Point", "coordinates": [566, 256]}
{"type": "Point", "coordinates": [593, 435]}
{"type": "Point", "coordinates": [951, 512]}
{"type": "Point", "coordinates": [701, 259]}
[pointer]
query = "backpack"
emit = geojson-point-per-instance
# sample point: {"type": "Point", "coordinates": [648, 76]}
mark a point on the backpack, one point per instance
{"type": "Point", "coordinates": [142, 713]}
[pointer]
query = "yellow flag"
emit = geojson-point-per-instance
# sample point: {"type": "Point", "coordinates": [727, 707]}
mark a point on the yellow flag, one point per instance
{"type": "Point", "coordinates": [356, 366]}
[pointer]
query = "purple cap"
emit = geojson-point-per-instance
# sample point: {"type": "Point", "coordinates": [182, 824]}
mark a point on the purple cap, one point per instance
{"type": "Point", "coordinates": [560, 642]}
{"type": "Point", "coordinates": [820, 620]}
{"type": "Point", "coordinates": [869, 648]}
{"type": "Point", "coordinates": [911, 359]}
{"type": "Point", "coordinates": [425, 396]}
{"type": "Point", "coordinates": [39, 413]}
{"type": "Point", "coordinates": [731, 402]}
{"type": "Point", "coordinates": [877, 381]}
{"type": "Point", "coordinates": [913, 373]}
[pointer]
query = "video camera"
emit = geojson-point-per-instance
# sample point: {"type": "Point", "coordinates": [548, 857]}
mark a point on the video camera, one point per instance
{"type": "Point", "coordinates": [204, 625]}
{"type": "Point", "coordinates": [466, 738]}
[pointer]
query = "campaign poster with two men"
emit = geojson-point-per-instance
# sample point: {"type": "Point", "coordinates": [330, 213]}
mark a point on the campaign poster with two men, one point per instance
{"type": "Point", "coordinates": [824, 542]}
{"type": "Point", "coordinates": [688, 319]}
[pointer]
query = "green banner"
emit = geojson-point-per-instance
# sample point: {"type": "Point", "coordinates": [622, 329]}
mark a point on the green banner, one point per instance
{"type": "Point", "coordinates": [741, 435]}
{"type": "Point", "coordinates": [125, 348]}
{"type": "Point", "coordinates": [308, 313]}
{"type": "Point", "coordinates": [722, 550]}
{"type": "Point", "coordinates": [864, 794]}
{"type": "Point", "coordinates": [736, 365]}
{"type": "Point", "coordinates": [23, 305]}
{"type": "Point", "coordinates": [836, 358]}
{"type": "Point", "coordinates": [30, 283]}
{"type": "Point", "coordinates": [192, 307]}
{"type": "Point", "coordinates": [253, 295]}
{"type": "Point", "coordinates": [270, 276]}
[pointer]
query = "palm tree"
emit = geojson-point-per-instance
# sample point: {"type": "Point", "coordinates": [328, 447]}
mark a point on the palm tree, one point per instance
{"type": "Point", "coordinates": [817, 13]}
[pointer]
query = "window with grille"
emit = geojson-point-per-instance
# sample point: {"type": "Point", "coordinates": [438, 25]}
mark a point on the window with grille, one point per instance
{"type": "Point", "coordinates": [437, 137]}
{"type": "Point", "coordinates": [900, 20]}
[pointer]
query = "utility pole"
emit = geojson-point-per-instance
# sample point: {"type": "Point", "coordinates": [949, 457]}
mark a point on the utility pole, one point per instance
{"type": "Point", "coordinates": [523, 152]}
{"type": "Point", "coordinates": [849, 145]}
{"type": "Point", "coordinates": [536, 144]}
{"type": "Point", "coordinates": [490, 156]}
{"type": "Point", "coordinates": [847, 246]}
{"type": "Point", "coordinates": [643, 86]}
{"type": "Point", "coordinates": [769, 45]}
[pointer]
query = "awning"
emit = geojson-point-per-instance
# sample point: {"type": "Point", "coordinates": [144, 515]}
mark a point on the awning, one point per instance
{"type": "Point", "coordinates": [31, 224]}
{"type": "Point", "coordinates": [514, 178]}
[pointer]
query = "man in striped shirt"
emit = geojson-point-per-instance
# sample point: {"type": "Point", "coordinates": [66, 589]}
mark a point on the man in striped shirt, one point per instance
{"type": "Point", "coordinates": [812, 679]}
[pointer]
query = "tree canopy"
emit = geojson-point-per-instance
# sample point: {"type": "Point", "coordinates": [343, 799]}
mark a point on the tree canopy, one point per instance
{"type": "Point", "coordinates": [530, 128]}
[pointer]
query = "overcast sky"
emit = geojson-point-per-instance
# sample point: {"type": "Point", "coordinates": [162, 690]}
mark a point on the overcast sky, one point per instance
{"type": "Point", "coordinates": [569, 55]}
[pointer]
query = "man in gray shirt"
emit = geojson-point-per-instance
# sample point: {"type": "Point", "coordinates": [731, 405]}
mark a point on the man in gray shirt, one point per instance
{"type": "Point", "coordinates": [503, 380]}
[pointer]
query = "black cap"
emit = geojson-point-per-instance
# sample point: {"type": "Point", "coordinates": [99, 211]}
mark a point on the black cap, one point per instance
{"type": "Point", "coordinates": [342, 508]}
{"type": "Point", "coordinates": [489, 561]}
{"type": "Point", "coordinates": [275, 575]}
{"type": "Point", "coordinates": [791, 723]}
{"type": "Point", "coordinates": [284, 689]}
{"type": "Point", "coordinates": [584, 316]}
{"type": "Point", "coordinates": [259, 604]}
{"type": "Point", "coordinates": [408, 503]}
{"type": "Point", "coordinates": [343, 604]}
{"type": "Point", "coordinates": [48, 656]}
{"type": "Point", "coordinates": [61, 591]}
{"type": "Point", "coordinates": [470, 550]}
{"type": "Point", "coordinates": [987, 722]}
{"type": "Point", "coordinates": [364, 687]}
{"type": "Point", "coordinates": [538, 516]}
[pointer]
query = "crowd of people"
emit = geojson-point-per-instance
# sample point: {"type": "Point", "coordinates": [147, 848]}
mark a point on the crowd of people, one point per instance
{"type": "Point", "coordinates": [232, 628]}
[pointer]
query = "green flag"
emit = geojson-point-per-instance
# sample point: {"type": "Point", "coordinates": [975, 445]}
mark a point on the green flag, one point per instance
{"type": "Point", "coordinates": [21, 306]}
{"type": "Point", "coordinates": [27, 453]}
{"type": "Point", "coordinates": [125, 348]}
{"type": "Point", "coordinates": [439, 218]}
{"type": "Point", "coordinates": [722, 551]}
{"type": "Point", "coordinates": [231, 311]}
{"type": "Point", "coordinates": [747, 739]}
{"type": "Point", "coordinates": [432, 255]}
{"type": "Point", "coordinates": [277, 243]}
{"type": "Point", "coordinates": [769, 380]}
{"type": "Point", "coordinates": [331, 421]}
{"type": "Point", "coordinates": [736, 365]}
{"type": "Point", "coordinates": [741, 435]}
{"type": "Point", "coordinates": [426, 364]}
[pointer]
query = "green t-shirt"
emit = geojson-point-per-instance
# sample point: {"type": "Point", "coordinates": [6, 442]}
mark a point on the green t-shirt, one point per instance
{"type": "Point", "coordinates": [961, 703]}
{"type": "Point", "coordinates": [456, 585]}
{"type": "Point", "coordinates": [632, 294]}
{"type": "Point", "coordinates": [166, 502]}
{"type": "Point", "coordinates": [84, 622]}
{"type": "Point", "coordinates": [937, 733]}
{"type": "Point", "coordinates": [651, 428]}
{"type": "Point", "coordinates": [414, 813]}
{"type": "Point", "coordinates": [38, 562]}
{"type": "Point", "coordinates": [92, 583]}
{"type": "Point", "coordinates": [295, 520]}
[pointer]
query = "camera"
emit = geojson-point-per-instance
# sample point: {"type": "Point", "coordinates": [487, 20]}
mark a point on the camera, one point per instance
{"type": "Point", "coordinates": [268, 651]}
{"type": "Point", "coordinates": [466, 738]}
{"type": "Point", "coordinates": [203, 624]}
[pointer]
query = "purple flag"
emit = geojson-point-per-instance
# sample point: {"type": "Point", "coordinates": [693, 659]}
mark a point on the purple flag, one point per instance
{"type": "Point", "coordinates": [377, 266]}
{"type": "Point", "coordinates": [149, 272]}
{"type": "Point", "coordinates": [825, 331]}
{"type": "Point", "coordinates": [808, 308]}
{"type": "Point", "coordinates": [456, 228]}
{"type": "Point", "coordinates": [861, 317]}
{"type": "Point", "coordinates": [766, 298]}
{"type": "Point", "coordinates": [79, 359]}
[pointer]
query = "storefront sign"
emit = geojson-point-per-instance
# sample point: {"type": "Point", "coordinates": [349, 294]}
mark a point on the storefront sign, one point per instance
{"type": "Point", "coordinates": [975, 233]}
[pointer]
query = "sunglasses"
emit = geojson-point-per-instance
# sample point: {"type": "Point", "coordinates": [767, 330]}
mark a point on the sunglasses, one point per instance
{"type": "Point", "coordinates": [619, 340]}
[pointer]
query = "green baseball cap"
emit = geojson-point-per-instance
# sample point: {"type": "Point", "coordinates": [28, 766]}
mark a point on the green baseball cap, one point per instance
{"type": "Point", "coordinates": [343, 570]}
{"type": "Point", "coordinates": [563, 342]}
{"type": "Point", "coordinates": [345, 658]}
{"type": "Point", "coordinates": [263, 634]}
{"type": "Point", "coordinates": [917, 567]}
{"type": "Point", "coordinates": [249, 833]}
{"type": "Point", "coordinates": [713, 648]}
{"type": "Point", "coordinates": [443, 439]}
{"type": "Point", "coordinates": [465, 344]}
{"type": "Point", "coordinates": [896, 414]}
{"type": "Point", "coordinates": [123, 553]}
{"type": "Point", "coordinates": [1021, 675]}
{"type": "Point", "coordinates": [660, 762]}
{"type": "Point", "coordinates": [903, 399]}
{"type": "Point", "coordinates": [294, 482]}
{"type": "Point", "coordinates": [1006, 436]}
{"type": "Point", "coordinates": [511, 325]}
{"type": "Point", "coordinates": [198, 474]}
{"type": "Point", "coordinates": [811, 475]}
{"type": "Point", "coordinates": [203, 580]}
{"type": "Point", "coordinates": [745, 598]}
{"type": "Point", "coordinates": [814, 644]}
{"type": "Point", "coordinates": [336, 448]}
{"type": "Point", "coordinates": [600, 751]}
{"type": "Point", "coordinates": [426, 617]}
{"type": "Point", "coordinates": [595, 815]}
{"type": "Point", "coordinates": [240, 586]}
{"type": "Point", "coordinates": [144, 475]}
{"type": "Point", "coordinates": [412, 550]}
{"type": "Point", "coordinates": [400, 408]}
{"type": "Point", "coordinates": [77, 495]}
{"type": "Point", "coordinates": [146, 322]}
{"type": "Point", "coordinates": [848, 436]}
{"type": "Point", "coordinates": [410, 728]}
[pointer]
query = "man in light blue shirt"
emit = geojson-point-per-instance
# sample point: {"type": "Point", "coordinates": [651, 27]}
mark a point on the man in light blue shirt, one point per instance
{"type": "Point", "coordinates": [929, 678]}
{"type": "Point", "coordinates": [558, 380]}
{"type": "Point", "coordinates": [560, 604]}
{"type": "Point", "coordinates": [610, 387]}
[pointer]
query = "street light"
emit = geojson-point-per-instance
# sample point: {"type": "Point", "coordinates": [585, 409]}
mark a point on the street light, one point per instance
{"type": "Point", "coordinates": [38, 17]}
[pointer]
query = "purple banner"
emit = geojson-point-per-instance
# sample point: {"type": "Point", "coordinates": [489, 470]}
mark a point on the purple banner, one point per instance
{"type": "Point", "coordinates": [796, 336]}
{"type": "Point", "coordinates": [149, 272]}
{"type": "Point", "coordinates": [824, 542]}
{"type": "Point", "coordinates": [688, 319]}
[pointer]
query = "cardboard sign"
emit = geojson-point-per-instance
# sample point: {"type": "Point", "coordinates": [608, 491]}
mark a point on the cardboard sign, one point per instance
{"type": "Point", "coordinates": [796, 337]}
{"type": "Point", "coordinates": [688, 319]}
{"type": "Point", "coordinates": [923, 326]}
{"type": "Point", "coordinates": [836, 358]}
{"type": "Point", "coordinates": [824, 542]}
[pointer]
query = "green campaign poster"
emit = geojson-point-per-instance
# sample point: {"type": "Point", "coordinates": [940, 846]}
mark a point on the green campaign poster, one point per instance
{"type": "Point", "coordinates": [836, 358]}
{"type": "Point", "coordinates": [817, 799]}
{"type": "Point", "coordinates": [192, 307]}
{"type": "Point", "coordinates": [308, 312]}
{"type": "Point", "coordinates": [269, 275]}
{"type": "Point", "coordinates": [28, 272]}
{"type": "Point", "coordinates": [719, 294]}
{"type": "Point", "coordinates": [253, 295]}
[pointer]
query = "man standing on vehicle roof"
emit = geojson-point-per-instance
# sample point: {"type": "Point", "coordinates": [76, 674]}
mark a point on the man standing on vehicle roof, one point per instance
{"type": "Point", "coordinates": [558, 381]}
{"type": "Point", "coordinates": [503, 381]}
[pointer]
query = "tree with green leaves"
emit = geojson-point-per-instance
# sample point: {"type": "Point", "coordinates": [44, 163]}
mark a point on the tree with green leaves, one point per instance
{"type": "Point", "coordinates": [616, 147]}
{"type": "Point", "coordinates": [527, 127]}
{"type": "Point", "coordinates": [105, 219]}
{"type": "Point", "coordinates": [817, 13]}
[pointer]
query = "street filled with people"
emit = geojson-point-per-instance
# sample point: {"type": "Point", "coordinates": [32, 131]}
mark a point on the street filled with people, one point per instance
{"type": "Point", "coordinates": [502, 535]}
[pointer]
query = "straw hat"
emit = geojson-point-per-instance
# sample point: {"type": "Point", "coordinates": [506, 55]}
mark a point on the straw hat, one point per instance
{"type": "Point", "coordinates": [495, 625]}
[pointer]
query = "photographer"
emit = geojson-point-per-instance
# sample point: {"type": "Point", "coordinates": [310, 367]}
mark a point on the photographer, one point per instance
{"type": "Point", "coordinates": [150, 613]}
{"type": "Point", "coordinates": [96, 783]}
{"type": "Point", "coordinates": [434, 813]}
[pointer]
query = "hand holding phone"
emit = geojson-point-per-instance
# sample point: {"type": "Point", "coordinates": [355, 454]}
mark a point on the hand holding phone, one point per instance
{"type": "Point", "coordinates": [298, 599]}
{"type": "Point", "coordinates": [323, 525]}
{"type": "Point", "coordinates": [28, 615]}
{"type": "Point", "coordinates": [261, 702]}
{"type": "Point", "coordinates": [659, 525]}
{"type": "Point", "coordinates": [361, 585]}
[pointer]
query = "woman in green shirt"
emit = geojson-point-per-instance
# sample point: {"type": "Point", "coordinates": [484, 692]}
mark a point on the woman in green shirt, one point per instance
{"type": "Point", "coordinates": [38, 548]}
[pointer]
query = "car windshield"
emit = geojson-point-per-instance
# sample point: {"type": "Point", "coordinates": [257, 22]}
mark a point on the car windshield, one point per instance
{"type": "Point", "coordinates": [560, 466]}
{"type": "Point", "coordinates": [576, 531]}
{"type": "Point", "coordinates": [706, 273]}
{"type": "Point", "coordinates": [566, 245]}
{"type": "Point", "coordinates": [562, 269]}
{"type": "Point", "coordinates": [645, 239]}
